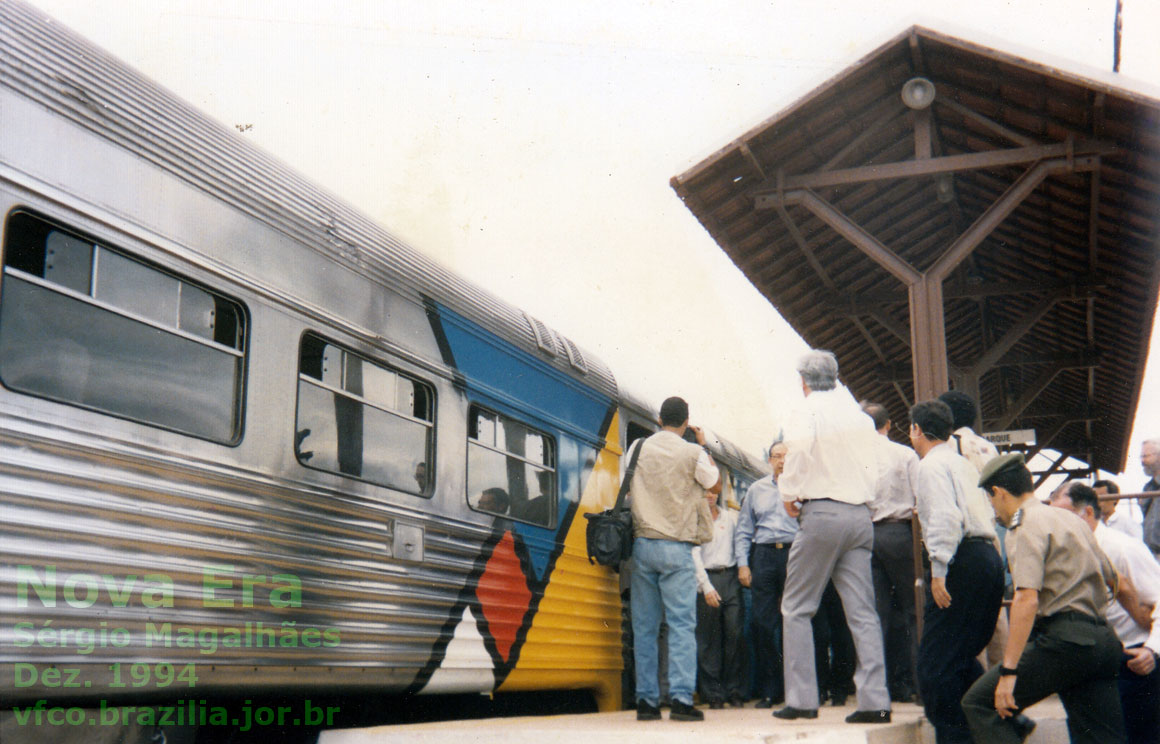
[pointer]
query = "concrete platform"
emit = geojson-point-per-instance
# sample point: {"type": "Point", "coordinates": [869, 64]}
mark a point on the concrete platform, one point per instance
{"type": "Point", "coordinates": [729, 726]}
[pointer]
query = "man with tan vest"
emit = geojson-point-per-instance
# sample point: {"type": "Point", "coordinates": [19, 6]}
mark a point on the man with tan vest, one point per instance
{"type": "Point", "coordinates": [667, 488]}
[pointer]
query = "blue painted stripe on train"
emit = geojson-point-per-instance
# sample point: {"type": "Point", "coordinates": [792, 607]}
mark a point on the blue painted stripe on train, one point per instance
{"type": "Point", "coordinates": [490, 362]}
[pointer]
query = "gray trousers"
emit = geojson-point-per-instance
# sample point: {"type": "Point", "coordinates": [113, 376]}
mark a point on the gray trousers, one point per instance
{"type": "Point", "coordinates": [835, 542]}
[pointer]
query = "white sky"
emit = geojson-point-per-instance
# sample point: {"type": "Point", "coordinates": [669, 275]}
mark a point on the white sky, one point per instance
{"type": "Point", "coordinates": [529, 145]}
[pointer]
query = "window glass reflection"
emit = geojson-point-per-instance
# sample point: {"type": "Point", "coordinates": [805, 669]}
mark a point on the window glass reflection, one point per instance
{"type": "Point", "coordinates": [509, 483]}
{"type": "Point", "coordinates": [128, 361]}
{"type": "Point", "coordinates": [355, 427]}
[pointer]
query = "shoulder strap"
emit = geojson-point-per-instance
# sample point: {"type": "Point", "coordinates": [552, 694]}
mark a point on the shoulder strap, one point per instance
{"type": "Point", "coordinates": [624, 484]}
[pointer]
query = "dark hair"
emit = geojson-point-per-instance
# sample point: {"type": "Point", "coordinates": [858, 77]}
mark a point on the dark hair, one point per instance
{"type": "Point", "coordinates": [502, 500]}
{"type": "Point", "coordinates": [1082, 496]}
{"type": "Point", "coordinates": [962, 407]}
{"type": "Point", "coordinates": [1112, 487]}
{"type": "Point", "coordinates": [1016, 480]}
{"type": "Point", "coordinates": [878, 412]}
{"type": "Point", "coordinates": [674, 412]}
{"type": "Point", "coordinates": [934, 418]}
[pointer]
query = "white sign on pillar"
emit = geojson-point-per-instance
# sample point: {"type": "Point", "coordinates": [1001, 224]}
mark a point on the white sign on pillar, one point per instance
{"type": "Point", "coordinates": [1012, 437]}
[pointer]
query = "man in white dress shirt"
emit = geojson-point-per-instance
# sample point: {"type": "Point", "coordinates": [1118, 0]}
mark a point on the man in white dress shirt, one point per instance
{"type": "Point", "coordinates": [1113, 516]}
{"type": "Point", "coordinates": [1137, 629]}
{"type": "Point", "coordinates": [720, 669]}
{"type": "Point", "coordinates": [979, 451]}
{"type": "Point", "coordinates": [830, 470]}
{"type": "Point", "coordinates": [893, 561]}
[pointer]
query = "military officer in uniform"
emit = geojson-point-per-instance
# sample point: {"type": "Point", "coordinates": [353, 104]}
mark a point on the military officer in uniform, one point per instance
{"type": "Point", "coordinates": [1059, 641]}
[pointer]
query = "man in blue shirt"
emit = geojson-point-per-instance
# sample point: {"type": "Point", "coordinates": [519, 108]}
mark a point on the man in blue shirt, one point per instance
{"type": "Point", "coordinates": [761, 545]}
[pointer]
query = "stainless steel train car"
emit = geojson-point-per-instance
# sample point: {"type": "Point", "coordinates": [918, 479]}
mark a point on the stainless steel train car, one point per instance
{"type": "Point", "coordinates": [249, 440]}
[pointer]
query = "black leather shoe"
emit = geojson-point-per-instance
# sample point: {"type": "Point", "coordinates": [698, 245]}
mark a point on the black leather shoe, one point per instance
{"type": "Point", "coordinates": [646, 712]}
{"type": "Point", "coordinates": [789, 713]}
{"type": "Point", "coordinates": [685, 712]}
{"type": "Point", "coordinates": [869, 716]}
{"type": "Point", "coordinates": [837, 700]}
{"type": "Point", "coordinates": [764, 703]}
{"type": "Point", "coordinates": [735, 701]}
{"type": "Point", "coordinates": [716, 704]}
{"type": "Point", "coordinates": [1023, 726]}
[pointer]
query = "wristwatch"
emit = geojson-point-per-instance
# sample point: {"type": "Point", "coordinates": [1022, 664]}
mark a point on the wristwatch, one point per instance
{"type": "Point", "coordinates": [1007, 671]}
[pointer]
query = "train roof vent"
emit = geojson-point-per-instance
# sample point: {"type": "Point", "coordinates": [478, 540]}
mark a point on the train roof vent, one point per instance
{"type": "Point", "coordinates": [575, 358]}
{"type": "Point", "coordinates": [545, 339]}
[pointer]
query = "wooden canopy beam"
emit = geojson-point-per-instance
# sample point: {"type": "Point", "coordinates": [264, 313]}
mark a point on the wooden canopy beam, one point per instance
{"type": "Point", "coordinates": [865, 303]}
{"type": "Point", "coordinates": [768, 196]}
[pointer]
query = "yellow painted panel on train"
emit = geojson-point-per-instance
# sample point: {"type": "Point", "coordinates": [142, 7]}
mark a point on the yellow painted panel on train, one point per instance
{"type": "Point", "coordinates": [577, 625]}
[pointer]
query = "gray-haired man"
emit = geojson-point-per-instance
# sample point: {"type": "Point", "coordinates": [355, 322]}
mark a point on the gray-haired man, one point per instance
{"type": "Point", "coordinates": [830, 472]}
{"type": "Point", "coordinates": [1150, 461]}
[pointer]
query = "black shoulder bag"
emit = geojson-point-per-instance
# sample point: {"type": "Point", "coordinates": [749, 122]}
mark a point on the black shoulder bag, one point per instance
{"type": "Point", "coordinates": [609, 533]}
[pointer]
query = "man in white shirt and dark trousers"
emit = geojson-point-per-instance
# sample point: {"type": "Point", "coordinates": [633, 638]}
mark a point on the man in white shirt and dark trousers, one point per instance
{"type": "Point", "coordinates": [1139, 681]}
{"type": "Point", "coordinates": [893, 561]}
{"type": "Point", "coordinates": [966, 575]}
{"type": "Point", "coordinates": [720, 663]}
{"type": "Point", "coordinates": [829, 477]}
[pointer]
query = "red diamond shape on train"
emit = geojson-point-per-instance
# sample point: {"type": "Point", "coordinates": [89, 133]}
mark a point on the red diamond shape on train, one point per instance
{"type": "Point", "coordinates": [504, 595]}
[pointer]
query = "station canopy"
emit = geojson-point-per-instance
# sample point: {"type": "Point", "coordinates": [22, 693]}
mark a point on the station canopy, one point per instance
{"type": "Point", "coordinates": [947, 214]}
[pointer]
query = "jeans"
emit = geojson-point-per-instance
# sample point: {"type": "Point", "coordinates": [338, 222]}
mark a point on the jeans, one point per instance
{"type": "Point", "coordinates": [664, 583]}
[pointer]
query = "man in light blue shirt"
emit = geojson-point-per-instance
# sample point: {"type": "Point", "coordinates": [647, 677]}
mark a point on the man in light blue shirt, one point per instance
{"type": "Point", "coordinates": [761, 544]}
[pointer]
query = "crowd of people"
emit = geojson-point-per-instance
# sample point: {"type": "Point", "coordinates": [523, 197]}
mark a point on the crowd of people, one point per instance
{"type": "Point", "coordinates": [808, 593]}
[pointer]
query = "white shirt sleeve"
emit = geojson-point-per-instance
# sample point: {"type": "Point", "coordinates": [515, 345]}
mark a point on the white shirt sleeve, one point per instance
{"type": "Point", "coordinates": [938, 512]}
{"type": "Point", "coordinates": [703, 584]}
{"type": "Point", "coordinates": [706, 473]}
{"type": "Point", "coordinates": [799, 438]}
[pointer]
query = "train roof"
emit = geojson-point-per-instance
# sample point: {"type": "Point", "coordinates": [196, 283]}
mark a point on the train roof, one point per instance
{"type": "Point", "coordinates": [1052, 312]}
{"type": "Point", "coordinates": [61, 70]}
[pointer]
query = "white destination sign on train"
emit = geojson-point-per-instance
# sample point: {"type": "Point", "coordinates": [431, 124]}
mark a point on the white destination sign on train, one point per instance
{"type": "Point", "coordinates": [1014, 436]}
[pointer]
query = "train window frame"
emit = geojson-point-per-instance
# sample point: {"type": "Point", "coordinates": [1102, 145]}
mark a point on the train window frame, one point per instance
{"type": "Point", "coordinates": [338, 386]}
{"type": "Point", "coordinates": [548, 463]}
{"type": "Point", "coordinates": [29, 274]}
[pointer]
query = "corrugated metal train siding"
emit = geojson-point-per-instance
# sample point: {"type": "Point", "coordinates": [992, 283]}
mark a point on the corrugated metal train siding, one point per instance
{"type": "Point", "coordinates": [125, 518]}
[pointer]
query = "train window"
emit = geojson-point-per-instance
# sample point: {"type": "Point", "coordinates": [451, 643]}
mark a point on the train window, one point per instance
{"type": "Point", "coordinates": [84, 324]}
{"type": "Point", "coordinates": [361, 419]}
{"type": "Point", "coordinates": [511, 468]}
{"type": "Point", "coordinates": [741, 488]}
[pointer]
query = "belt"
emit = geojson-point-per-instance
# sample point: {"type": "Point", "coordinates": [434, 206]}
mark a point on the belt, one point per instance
{"type": "Point", "coordinates": [1069, 615]}
{"type": "Point", "coordinates": [894, 520]}
{"type": "Point", "coordinates": [979, 538]}
{"type": "Point", "coordinates": [720, 570]}
{"type": "Point", "coordinates": [776, 546]}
